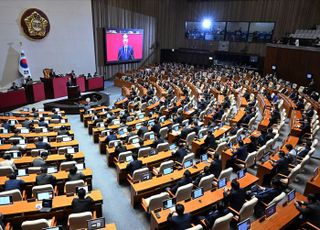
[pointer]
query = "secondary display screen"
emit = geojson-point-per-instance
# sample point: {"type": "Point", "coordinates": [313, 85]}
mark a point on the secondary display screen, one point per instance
{"type": "Point", "coordinates": [123, 45]}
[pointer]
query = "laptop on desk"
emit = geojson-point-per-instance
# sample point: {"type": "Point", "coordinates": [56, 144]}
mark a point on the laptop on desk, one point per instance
{"type": "Point", "coordinates": [46, 205]}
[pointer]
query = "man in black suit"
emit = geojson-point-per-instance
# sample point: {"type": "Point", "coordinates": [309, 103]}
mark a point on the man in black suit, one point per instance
{"type": "Point", "coordinates": [142, 131]}
{"type": "Point", "coordinates": [75, 175]}
{"type": "Point", "coordinates": [304, 151]}
{"type": "Point", "coordinates": [275, 117]}
{"type": "Point", "coordinates": [40, 144]}
{"type": "Point", "coordinates": [82, 203]}
{"type": "Point", "coordinates": [215, 214]}
{"type": "Point", "coordinates": [45, 178]}
{"type": "Point", "coordinates": [266, 195]}
{"type": "Point", "coordinates": [215, 166]}
{"type": "Point", "coordinates": [235, 197]}
{"type": "Point", "coordinates": [310, 210]}
{"type": "Point", "coordinates": [180, 222]}
{"type": "Point", "coordinates": [134, 165]}
{"type": "Point", "coordinates": [210, 141]}
{"type": "Point", "coordinates": [241, 154]}
{"type": "Point", "coordinates": [186, 179]}
{"type": "Point", "coordinates": [43, 123]}
{"type": "Point", "coordinates": [184, 132]}
{"type": "Point", "coordinates": [180, 153]}
{"type": "Point", "coordinates": [111, 137]}
{"type": "Point", "coordinates": [156, 128]}
{"type": "Point", "coordinates": [206, 172]}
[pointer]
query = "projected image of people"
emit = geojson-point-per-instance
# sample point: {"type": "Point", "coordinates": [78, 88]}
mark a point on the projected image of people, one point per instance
{"type": "Point", "coordinates": [126, 51]}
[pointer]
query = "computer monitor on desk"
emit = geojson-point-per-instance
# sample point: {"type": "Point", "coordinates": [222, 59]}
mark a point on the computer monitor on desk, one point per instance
{"type": "Point", "coordinates": [222, 182]}
{"type": "Point", "coordinates": [244, 225]}
{"type": "Point", "coordinates": [169, 203]}
{"type": "Point", "coordinates": [6, 200]}
{"type": "Point", "coordinates": [96, 223]}
{"type": "Point", "coordinates": [197, 193]}
{"type": "Point", "coordinates": [270, 210]}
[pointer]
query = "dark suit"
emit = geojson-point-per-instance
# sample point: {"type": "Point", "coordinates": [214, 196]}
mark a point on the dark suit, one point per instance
{"type": "Point", "coordinates": [311, 213]}
{"type": "Point", "coordinates": [181, 182]}
{"type": "Point", "coordinates": [210, 142]}
{"type": "Point", "coordinates": [44, 178]}
{"type": "Point", "coordinates": [241, 153]}
{"type": "Point", "coordinates": [13, 184]}
{"type": "Point", "coordinates": [133, 165]}
{"type": "Point", "coordinates": [179, 222]}
{"type": "Point", "coordinates": [111, 137]}
{"type": "Point", "coordinates": [216, 168]}
{"type": "Point", "coordinates": [126, 55]}
{"type": "Point", "coordinates": [156, 128]}
{"type": "Point", "coordinates": [235, 199]}
{"type": "Point", "coordinates": [180, 154]}
{"type": "Point", "coordinates": [142, 131]}
{"type": "Point", "coordinates": [77, 176]}
{"type": "Point", "coordinates": [268, 194]}
{"type": "Point", "coordinates": [82, 205]}
{"type": "Point", "coordinates": [304, 152]}
{"type": "Point", "coordinates": [42, 145]}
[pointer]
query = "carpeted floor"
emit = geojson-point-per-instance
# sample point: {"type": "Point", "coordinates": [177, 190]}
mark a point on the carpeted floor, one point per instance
{"type": "Point", "coordinates": [116, 205]}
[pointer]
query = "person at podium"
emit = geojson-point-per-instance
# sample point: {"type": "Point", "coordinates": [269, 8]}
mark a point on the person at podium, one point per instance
{"type": "Point", "coordinates": [70, 82]}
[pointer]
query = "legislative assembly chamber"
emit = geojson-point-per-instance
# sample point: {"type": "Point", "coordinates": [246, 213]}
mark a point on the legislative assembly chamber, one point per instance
{"type": "Point", "coordinates": [159, 114]}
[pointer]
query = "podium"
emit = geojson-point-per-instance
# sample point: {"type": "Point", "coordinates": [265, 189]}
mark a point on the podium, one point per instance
{"type": "Point", "coordinates": [55, 87]}
{"type": "Point", "coordinates": [73, 92]}
{"type": "Point", "coordinates": [35, 92]}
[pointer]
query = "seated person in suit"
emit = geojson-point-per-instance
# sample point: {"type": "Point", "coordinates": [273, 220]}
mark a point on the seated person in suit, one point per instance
{"type": "Point", "coordinates": [269, 134]}
{"type": "Point", "coordinates": [215, 166]}
{"type": "Point", "coordinates": [42, 122]}
{"type": "Point", "coordinates": [275, 116]}
{"type": "Point", "coordinates": [184, 132]}
{"type": "Point", "coordinates": [45, 178]}
{"type": "Point", "coordinates": [266, 195]}
{"type": "Point", "coordinates": [111, 137]}
{"type": "Point", "coordinates": [241, 153]}
{"type": "Point", "coordinates": [300, 104]}
{"type": "Point", "coordinates": [186, 179]}
{"type": "Point", "coordinates": [304, 151]}
{"type": "Point", "coordinates": [82, 203]}
{"type": "Point", "coordinates": [40, 161]}
{"type": "Point", "coordinates": [235, 129]}
{"type": "Point", "coordinates": [206, 172]}
{"type": "Point", "coordinates": [119, 149]}
{"type": "Point", "coordinates": [235, 197]}
{"type": "Point", "coordinates": [29, 80]}
{"type": "Point", "coordinates": [292, 153]}
{"type": "Point", "coordinates": [181, 221]}
{"type": "Point", "coordinates": [156, 128]}
{"type": "Point", "coordinates": [180, 153]}
{"type": "Point", "coordinates": [8, 161]}
{"type": "Point", "coordinates": [210, 141]}
{"type": "Point", "coordinates": [158, 140]}
{"type": "Point", "coordinates": [250, 114]}
{"type": "Point", "coordinates": [143, 129]}
{"type": "Point", "coordinates": [252, 145]}
{"type": "Point", "coordinates": [75, 175]}
{"type": "Point", "coordinates": [14, 86]}
{"type": "Point", "coordinates": [63, 130]}
{"type": "Point", "coordinates": [280, 166]}
{"type": "Point", "coordinates": [134, 165]}
{"type": "Point", "coordinates": [40, 144]}
{"type": "Point", "coordinates": [56, 115]}
{"type": "Point", "coordinates": [214, 214]}
{"type": "Point", "coordinates": [14, 183]}
{"type": "Point", "coordinates": [310, 210]}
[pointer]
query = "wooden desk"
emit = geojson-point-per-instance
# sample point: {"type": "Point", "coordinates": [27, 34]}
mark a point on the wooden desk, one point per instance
{"type": "Point", "coordinates": [150, 162]}
{"type": "Point", "coordinates": [196, 144]}
{"type": "Point", "coordinates": [266, 167]}
{"type": "Point", "coordinates": [54, 145]}
{"type": "Point", "coordinates": [282, 218]}
{"type": "Point", "coordinates": [226, 155]}
{"type": "Point", "coordinates": [111, 151]}
{"type": "Point", "coordinates": [61, 178]}
{"type": "Point", "coordinates": [156, 184]}
{"type": "Point", "coordinates": [200, 205]}
{"type": "Point", "coordinates": [32, 135]}
{"type": "Point", "coordinates": [56, 159]}
{"type": "Point", "coordinates": [241, 113]}
{"type": "Point", "coordinates": [295, 123]}
{"type": "Point", "coordinates": [61, 205]}
{"type": "Point", "coordinates": [264, 123]}
{"type": "Point", "coordinates": [313, 186]}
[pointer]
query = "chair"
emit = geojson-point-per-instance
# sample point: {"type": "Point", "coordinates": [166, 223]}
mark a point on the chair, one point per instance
{"type": "Point", "coordinates": [196, 227]}
{"type": "Point", "coordinates": [248, 162]}
{"type": "Point", "coordinates": [183, 192]}
{"type": "Point", "coordinates": [287, 179]}
{"type": "Point", "coordinates": [131, 138]}
{"type": "Point", "coordinates": [144, 152]}
{"type": "Point", "coordinates": [153, 202]}
{"type": "Point", "coordinates": [260, 153]}
{"type": "Point", "coordinates": [105, 132]}
{"type": "Point", "coordinates": [137, 174]}
{"type": "Point", "coordinates": [206, 182]}
{"type": "Point", "coordinates": [122, 156]}
{"type": "Point", "coordinates": [6, 170]}
{"type": "Point", "coordinates": [71, 186]}
{"type": "Point", "coordinates": [148, 135]}
{"type": "Point", "coordinates": [277, 199]}
{"type": "Point", "coordinates": [167, 164]}
{"type": "Point", "coordinates": [185, 122]}
{"type": "Point", "coordinates": [226, 173]}
{"type": "Point", "coordinates": [64, 150]}
{"type": "Point", "coordinates": [66, 166]}
{"type": "Point", "coordinates": [190, 138]}
{"type": "Point", "coordinates": [54, 121]}
{"type": "Point", "coordinates": [220, 148]}
{"type": "Point", "coordinates": [114, 143]}
{"type": "Point", "coordinates": [222, 222]}
{"type": "Point", "coordinates": [15, 193]}
{"type": "Point", "coordinates": [35, 224]}
{"type": "Point", "coordinates": [34, 170]}
{"type": "Point", "coordinates": [79, 220]}
{"type": "Point", "coordinates": [188, 157]}
{"type": "Point", "coordinates": [42, 188]}
{"type": "Point", "coordinates": [162, 147]}
{"type": "Point", "coordinates": [164, 132]}
{"type": "Point", "coordinates": [246, 210]}
{"type": "Point", "coordinates": [36, 152]}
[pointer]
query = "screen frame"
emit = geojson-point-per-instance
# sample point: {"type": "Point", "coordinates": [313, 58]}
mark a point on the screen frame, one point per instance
{"type": "Point", "coordinates": [106, 62]}
{"type": "Point", "coordinates": [262, 42]}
